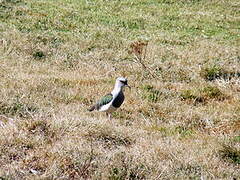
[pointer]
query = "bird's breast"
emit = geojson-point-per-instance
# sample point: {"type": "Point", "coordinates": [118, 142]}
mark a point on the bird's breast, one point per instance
{"type": "Point", "coordinates": [117, 102]}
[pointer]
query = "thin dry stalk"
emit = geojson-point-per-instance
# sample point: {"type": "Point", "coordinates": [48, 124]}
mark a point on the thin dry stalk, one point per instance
{"type": "Point", "coordinates": [139, 51]}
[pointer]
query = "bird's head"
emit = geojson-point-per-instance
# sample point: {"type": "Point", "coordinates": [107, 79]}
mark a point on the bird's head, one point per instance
{"type": "Point", "coordinates": [122, 82]}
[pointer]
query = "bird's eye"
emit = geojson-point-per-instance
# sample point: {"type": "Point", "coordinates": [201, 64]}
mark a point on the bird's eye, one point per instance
{"type": "Point", "coordinates": [124, 82]}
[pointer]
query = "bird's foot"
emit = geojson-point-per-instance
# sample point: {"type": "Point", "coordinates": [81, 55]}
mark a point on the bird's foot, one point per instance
{"type": "Point", "coordinates": [109, 116]}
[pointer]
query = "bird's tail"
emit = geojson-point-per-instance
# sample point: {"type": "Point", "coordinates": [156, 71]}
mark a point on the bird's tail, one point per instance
{"type": "Point", "coordinates": [92, 108]}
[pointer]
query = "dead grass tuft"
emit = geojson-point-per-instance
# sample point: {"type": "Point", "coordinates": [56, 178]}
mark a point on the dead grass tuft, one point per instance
{"type": "Point", "coordinates": [122, 169]}
{"type": "Point", "coordinates": [109, 138]}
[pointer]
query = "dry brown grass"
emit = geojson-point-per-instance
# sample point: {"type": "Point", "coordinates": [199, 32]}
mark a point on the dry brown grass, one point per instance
{"type": "Point", "coordinates": [179, 121]}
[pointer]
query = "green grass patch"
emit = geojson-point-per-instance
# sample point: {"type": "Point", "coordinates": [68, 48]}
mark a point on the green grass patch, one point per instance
{"type": "Point", "coordinates": [236, 139]}
{"type": "Point", "coordinates": [150, 93]}
{"type": "Point", "coordinates": [214, 72]}
{"type": "Point", "coordinates": [211, 73]}
{"type": "Point", "coordinates": [17, 108]}
{"type": "Point", "coordinates": [121, 173]}
{"type": "Point", "coordinates": [184, 132]}
{"type": "Point", "coordinates": [191, 95]}
{"type": "Point", "coordinates": [203, 95]}
{"type": "Point", "coordinates": [230, 153]}
{"type": "Point", "coordinates": [212, 92]}
{"type": "Point", "coordinates": [164, 131]}
{"type": "Point", "coordinates": [83, 18]}
{"type": "Point", "coordinates": [39, 55]}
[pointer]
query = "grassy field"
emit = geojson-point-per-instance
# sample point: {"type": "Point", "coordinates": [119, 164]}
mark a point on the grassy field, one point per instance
{"type": "Point", "coordinates": [180, 120]}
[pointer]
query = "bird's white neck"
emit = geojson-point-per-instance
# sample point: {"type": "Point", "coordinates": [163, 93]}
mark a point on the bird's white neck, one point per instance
{"type": "Point", "coordinates": [117, 88]}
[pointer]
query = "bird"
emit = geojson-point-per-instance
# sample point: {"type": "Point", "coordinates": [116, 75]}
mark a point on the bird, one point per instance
{"type": "Point", "coordinates": [112, 101]}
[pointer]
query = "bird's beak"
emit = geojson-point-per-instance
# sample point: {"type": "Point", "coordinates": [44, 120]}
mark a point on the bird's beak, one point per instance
{"type": "Point", "coordinates": [128, 86]}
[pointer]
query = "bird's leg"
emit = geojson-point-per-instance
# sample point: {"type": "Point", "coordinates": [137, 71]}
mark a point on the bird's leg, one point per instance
{"type": "Point", "coordinates": [109, 116]}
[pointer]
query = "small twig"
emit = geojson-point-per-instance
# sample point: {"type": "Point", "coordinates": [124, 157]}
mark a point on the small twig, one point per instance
{"type": "Point", "coordinates": [30, 114]}
{"type": "Point", "coordinates": [161, 173]}
{"type": "Point", "coordinates": [139, 60]}
{"type": "Point", "coordinates": [145, 67]}
{"type": "Point", "coordinates": [139, 51]}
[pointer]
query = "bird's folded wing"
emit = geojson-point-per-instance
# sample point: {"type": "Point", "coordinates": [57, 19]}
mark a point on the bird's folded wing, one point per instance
{"type": "Point", "coordinates": [105, 100]}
